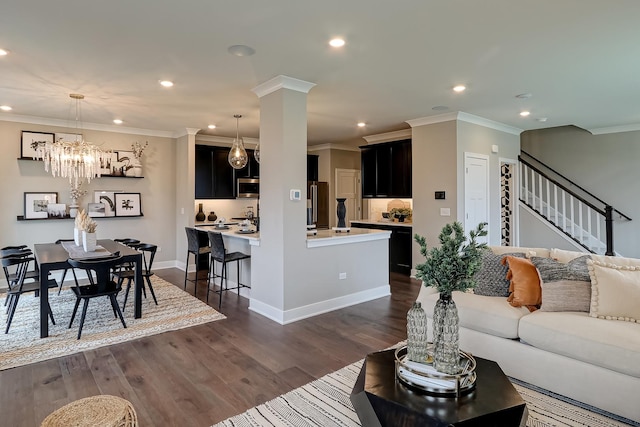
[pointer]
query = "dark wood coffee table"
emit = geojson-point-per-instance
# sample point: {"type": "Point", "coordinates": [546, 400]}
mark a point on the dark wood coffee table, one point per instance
{"type": "Point", "coordinates": [380, 400]}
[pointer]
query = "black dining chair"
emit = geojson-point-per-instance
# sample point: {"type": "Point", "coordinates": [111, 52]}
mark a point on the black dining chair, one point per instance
{"type": "Point", "coordinates": [64, 273]}
{"type": "Point", "coordinates": [100, 286]}
{"type": "Point", "coordinates": [198, 245]}
{"type": "Point", "coordinates": [219, 254]}
{"type": "Point", "coordinates": [18, 286]}
{"type": "Point", "coordinates": [148, 255]}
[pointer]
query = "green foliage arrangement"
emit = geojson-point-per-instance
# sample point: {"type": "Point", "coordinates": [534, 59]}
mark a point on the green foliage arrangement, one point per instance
{"type": "Point", "coordinates": [451, 266]}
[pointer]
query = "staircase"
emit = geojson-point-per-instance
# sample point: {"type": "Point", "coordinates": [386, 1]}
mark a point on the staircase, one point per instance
{"type": "Point", "coordinates": [572, 210]}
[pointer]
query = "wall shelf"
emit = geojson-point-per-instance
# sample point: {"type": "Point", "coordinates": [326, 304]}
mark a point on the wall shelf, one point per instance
{"type": "Point", "coordinates": [22, 218]}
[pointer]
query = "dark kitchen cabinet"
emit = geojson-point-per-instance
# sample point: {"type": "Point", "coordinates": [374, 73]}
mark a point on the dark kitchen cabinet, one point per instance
{"type": "Point", "coordinates": [215, 178]}
{"type": "Point", "coordinates": [312, 167]}
{"type": "Point", "coordinates": [399, 245]}
{"type": "Point", "coordinates": [386, 170]}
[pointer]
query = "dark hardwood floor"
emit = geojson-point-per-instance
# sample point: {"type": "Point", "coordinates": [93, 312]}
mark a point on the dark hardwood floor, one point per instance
{"type": "Point", "coordinates": [204, 374]}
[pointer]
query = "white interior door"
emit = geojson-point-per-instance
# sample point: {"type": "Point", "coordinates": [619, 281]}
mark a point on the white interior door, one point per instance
{"type": "Point", "coordinates": [348, 187]}
{"type": "Point", "coordinates": [476, 192]}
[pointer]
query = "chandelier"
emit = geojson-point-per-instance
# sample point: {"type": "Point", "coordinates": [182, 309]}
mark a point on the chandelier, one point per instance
{"type": "Point", "coordinates": [238, 157]}
{"type": "Point", "coordinates": [77, 159]}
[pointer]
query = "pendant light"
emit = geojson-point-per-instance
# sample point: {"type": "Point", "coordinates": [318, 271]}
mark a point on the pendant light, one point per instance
{"type": "Point", "coordinates": [256, 152]}
{"type": "Point", "coordinates": [238, 155]}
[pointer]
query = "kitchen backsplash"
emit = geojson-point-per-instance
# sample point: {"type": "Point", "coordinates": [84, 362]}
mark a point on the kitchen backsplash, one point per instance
{"type": "Point", "coordinates": [227, 208]}
{"type": "Point", "coordinates": [377, 206]}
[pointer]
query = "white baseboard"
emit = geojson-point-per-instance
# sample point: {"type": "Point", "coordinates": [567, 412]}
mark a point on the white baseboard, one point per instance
{"type": "Point", "coordinates": [299, 313]}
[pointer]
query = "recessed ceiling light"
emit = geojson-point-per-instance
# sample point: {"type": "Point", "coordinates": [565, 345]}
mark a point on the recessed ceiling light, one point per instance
{"type": "Point", "coordinates": [337, 42]}
{"type": "Point", "coordinates": [524, 113]}
{"type": "Point", "coordinates": [241, 50]}
{"type": "Point", "coordinates": [211, 126]}
{"type": "Point", "coordinates": [524, 96]}
{"type": "Point", "coordinates": [4, 52]}
{"type": "Point", "coordinates": [361, 124]}
{"type": "Point", "coordinates": [459, 88]}
{"type": "Point", "coordinates": [5, 108]}
{"type": "Point", "coordinates": [117, 121]}
{"type": "Point", "coordinates": [166, 83]}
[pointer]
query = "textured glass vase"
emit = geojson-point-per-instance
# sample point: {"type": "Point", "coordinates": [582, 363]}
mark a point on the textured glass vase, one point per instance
{"type": "Point", "coordinates": [446, 340]}
{"type": "Point", "coordinates": [417, 334]}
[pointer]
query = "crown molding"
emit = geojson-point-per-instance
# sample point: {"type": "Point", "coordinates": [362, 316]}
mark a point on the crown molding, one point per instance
{"type": "Point", "coordinates": [320, 147]}
{"type": "Point", "coordinates": [465, 117]}
{"type": "Point", "coordinates": [615, 129]}
{"type": "Point", "coordinates": [224, 140]}
{"type": "Point", "coordinates": [282, 82]}
{"type": "Point", "coordinates": [388, 136]}
{"type": "Point", "coordinates": [89, 126]}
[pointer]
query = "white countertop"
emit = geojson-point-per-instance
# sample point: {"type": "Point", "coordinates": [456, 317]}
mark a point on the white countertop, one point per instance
{"type": "Point", "coordinates": [355, 235]}
{"type": "Point", "coordinates": [232, 231]}
{"type": "Point", "coordinates": [387, 223]}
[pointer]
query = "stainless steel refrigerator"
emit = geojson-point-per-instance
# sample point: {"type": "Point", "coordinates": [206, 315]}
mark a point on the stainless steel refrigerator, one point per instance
{"type": "Point", "coordinates": [318, 202]}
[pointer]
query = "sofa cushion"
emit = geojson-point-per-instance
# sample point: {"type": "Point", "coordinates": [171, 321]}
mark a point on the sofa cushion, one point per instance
{"type": "Point", "coordinates": [615, 291]}
{"type": "Point", "coordinates": [565, 287]}
{"type": "Point", "coordinates": [610, 344]}
{"type": "Point", "coordinates": [491, 315]}
{"type": "Point", "coordinates": [565, 256]}
{"type": "Point", "coordinates": [525, 283]}
{"type": "Point", "coordinates": [616, 260]}
{"type": "Point", "coordinates": [491, 279]}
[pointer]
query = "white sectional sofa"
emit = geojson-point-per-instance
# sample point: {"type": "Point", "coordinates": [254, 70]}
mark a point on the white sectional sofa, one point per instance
{"type": "Point", "coordinates": [590, 359]}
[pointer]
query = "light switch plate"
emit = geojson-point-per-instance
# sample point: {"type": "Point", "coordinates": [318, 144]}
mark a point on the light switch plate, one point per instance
{"type": "Point", "coordinates": [445, 212]}
{"type": "Point", "coordinates": [294, 194]}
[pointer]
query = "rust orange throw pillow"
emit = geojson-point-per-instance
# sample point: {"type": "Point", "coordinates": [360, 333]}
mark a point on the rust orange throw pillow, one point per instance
{"type": "Point", "coordinates": [524, 285]}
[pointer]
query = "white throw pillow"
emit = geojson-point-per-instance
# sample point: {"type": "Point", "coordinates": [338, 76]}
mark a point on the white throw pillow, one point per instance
{"type": "Point", "coordinates": [564, 257]}
{"type": "Point", "coordinates": [615, 291]}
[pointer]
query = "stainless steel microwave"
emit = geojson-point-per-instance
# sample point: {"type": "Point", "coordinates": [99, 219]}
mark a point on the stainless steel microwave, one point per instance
{"type": "Point", "coordinates": [248, 188]}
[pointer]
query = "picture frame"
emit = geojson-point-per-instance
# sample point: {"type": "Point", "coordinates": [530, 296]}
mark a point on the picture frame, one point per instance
{"type": "Point", "coordinates": [57, 210]}
{"type": "Point", "coordinates": [106, 197]}
{"type": "Point", "coordinates": [68, 137]}
{"type": "Point", "coordinates": [30, 140]}
{"type": "Point", "coordinates": [36, 204]}
{"type": "Point", "coordinates": [121, 163]}
{"type": "Point", "coordinates": [96, 210]}
{"type": "Point", "coordinates": [127, 204]}
{"type": "Point", "coordinates": [107, 162]}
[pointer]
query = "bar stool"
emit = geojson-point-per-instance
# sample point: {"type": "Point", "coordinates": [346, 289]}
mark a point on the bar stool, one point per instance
{"type": "Point", "coordinates": [198, 245]}
{"type": "Point", "coordinates": [219, 254]}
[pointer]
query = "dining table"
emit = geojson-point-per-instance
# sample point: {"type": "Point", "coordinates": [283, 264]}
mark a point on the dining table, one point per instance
{"type": "Point", "coordinates": [53, 256]}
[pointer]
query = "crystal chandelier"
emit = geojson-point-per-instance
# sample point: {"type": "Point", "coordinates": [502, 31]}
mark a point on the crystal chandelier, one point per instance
{"type": "Point", "coordinates": [238, 157]}
{"type": "Point", "coordinates": [76, 160]}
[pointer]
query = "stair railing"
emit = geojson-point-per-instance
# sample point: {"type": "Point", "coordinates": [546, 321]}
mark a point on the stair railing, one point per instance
{"type": "Point", "coordinates": [588, 225]}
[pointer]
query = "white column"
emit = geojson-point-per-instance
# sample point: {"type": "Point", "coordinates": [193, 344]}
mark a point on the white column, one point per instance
{"type": "Point", "coordinates": [185, 190]}
{"type": "Point", "coordinates": [277, 265]}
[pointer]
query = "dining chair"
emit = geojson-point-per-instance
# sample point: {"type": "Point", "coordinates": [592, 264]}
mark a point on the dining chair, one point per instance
{"type": "Point", "coordinates": [219, 254]}
{"type": "Point", "coordinates": [148, 255]}
{"type": "Point", "coordinates": [100, 286]}
{"type": "Point", "coordinates": [198, 245]}
{"type": "Point", "coordinates": [18, 286]}
{"type": "Point", "coordinates": [21, 250]}
{"type": "Point", "coordinates": [64, 273]}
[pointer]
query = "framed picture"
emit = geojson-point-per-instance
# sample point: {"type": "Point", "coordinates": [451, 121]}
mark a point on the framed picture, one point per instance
{"type": "Point", "coordinates": [107, 162]}
{"type": "Point", "coordinates": [31, 140]}
{"type": "Point", "coordinates": [106, 197]}
{"type": "Point", "coordinates": [95, 209]}
{"type": "Point", "coordinates": [127, 204]}
{"type": "Point", "coordinates": [68, 137]}
{"type": "Point", "coordinates": [36, 205]}
{"type": "Point", "coordinates": [57, 210]}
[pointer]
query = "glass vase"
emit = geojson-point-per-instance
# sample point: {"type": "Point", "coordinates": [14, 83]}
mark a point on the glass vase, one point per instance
{"type": "Point", "coordinates": [417, 334]}
{"type": "Point", "coordinates": [446, 339]}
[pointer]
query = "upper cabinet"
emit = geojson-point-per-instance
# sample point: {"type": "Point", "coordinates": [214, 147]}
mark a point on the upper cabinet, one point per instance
{"type": "Point", "coordinates": [386, 170]}
{"type": "Point", "coordinates": [215, 178]}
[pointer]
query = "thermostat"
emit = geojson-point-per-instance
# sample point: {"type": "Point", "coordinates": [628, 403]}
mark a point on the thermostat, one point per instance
{"type": "Point", "coordinates": [294, 194]}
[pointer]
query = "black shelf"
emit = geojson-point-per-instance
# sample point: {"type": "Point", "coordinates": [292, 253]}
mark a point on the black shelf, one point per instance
{"type": "Point", "coordinates": [22, 218]}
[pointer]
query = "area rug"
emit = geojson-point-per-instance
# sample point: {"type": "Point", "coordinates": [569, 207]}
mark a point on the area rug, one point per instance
{"type": "Point", "coordinates": [176, 309]}
{"type": "Point", "coordinates": [325, 402]}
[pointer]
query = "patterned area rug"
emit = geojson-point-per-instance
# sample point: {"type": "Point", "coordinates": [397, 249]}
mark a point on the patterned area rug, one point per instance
{"type": "Point", "coordinates": [176, 309]}
{"type": "Point", "coordinates": [325, 402]}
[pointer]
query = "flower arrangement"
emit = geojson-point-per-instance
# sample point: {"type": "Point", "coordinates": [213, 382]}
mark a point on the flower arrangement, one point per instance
{"type": "Point", "coordinates": [85, 222]}
{"type": "Point", "coordinates": [138, 149]}
{"type": "Point", "coordinates": [451, 266]}
{"type": "Point", "coordinates": [77, 193]}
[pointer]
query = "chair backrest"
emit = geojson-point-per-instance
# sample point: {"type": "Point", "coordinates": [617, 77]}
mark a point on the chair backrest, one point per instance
{"type": "Point", "coordinates": [196, 239]}
{"type": "Point", "coordinates": [21, 264]}
{"type": "Point", "coordinates": [127, 241]}
{"type": "Point", "coordinates": [148, 254]}
{"type": "Point", "coordinates": [218, 250]}
{"type": "Point", "coordinates": [102, 268]}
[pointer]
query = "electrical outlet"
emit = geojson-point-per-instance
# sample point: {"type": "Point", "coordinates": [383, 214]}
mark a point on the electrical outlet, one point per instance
{"type": "Point", "coordinates": [342, 276]}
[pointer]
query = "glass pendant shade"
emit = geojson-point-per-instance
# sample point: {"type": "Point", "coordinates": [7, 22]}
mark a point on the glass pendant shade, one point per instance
{"type": "Point", "coordinates": [238, 157]}
{"type": "Point", "coordinates": [256, 152]}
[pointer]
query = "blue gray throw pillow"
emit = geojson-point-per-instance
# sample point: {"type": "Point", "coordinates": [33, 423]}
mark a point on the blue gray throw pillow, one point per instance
{"type": "Point", "coordinates": [565, 287]}
{"type": "Point", "coordinates": [491, 279]}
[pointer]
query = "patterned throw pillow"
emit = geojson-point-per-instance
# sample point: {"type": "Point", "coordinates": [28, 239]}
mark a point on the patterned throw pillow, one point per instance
{"type": "Point", "coordinates": [491, 279]}
{"type": "Point", "coordinates": [616, 291]}
{"type": "Point", "coordinates": [565, 287]}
